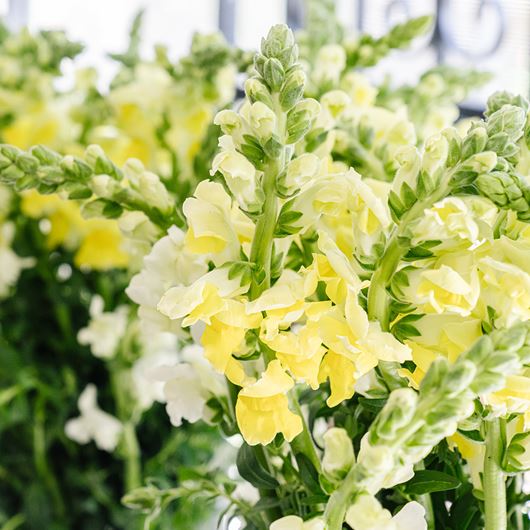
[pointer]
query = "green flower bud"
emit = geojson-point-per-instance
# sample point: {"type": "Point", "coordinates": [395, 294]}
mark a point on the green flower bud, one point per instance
{"type": "Point", "coordinates": [397, 412]}
{"type": "Point", "coordinates": [257, 91]}
{"type": "Point", "coordinates": [506, 191]}
{"type": "Point", "coordinates": [104, 186]}
{"type": "Point", "coordinates": [27, 163]}
{"type": "Point", "coordinates": [273, 74]}
{"type": "Point", "coordinates": [78, 169]}
{"type": "Point", "coordinates": [474, 142]}
{"type": "Point", "coordinates": [460, 377]}
{"type": "Point", "coordinates": [508, 119]}
{"type": "Point", "coordinates": [293, 89]}
{"type": "Point", "coordinates": [279, 39]}
{"type": "Point", "coordinates": [148, 185]}
{"type": "Point", "coordinates": [497, 100]}
{"type": "Point", "coordinates": [144, 499]}
{"type": "Point", "coordinates": [300, 119]}
{"type": "Point", "coordinates": [45, 155]}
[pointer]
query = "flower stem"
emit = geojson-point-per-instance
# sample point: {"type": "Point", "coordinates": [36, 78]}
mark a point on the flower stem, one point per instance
{"type": "Point", "coordinates": [133, 473]}
{"type": "Point", "coordinates": [303, 443]}
{"type": "Point", "coordinates": [494, 478]}
{"type": "Point", "coordinates": [378, 306]}
{"type": "Point", "coordinates": [340, 500]}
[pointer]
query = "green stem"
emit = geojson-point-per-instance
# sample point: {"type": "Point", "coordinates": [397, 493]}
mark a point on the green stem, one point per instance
{"type": "Point", "coordinates": [378, 306]}
{"type": "Point", "coordinates": [131, 449]}
{"type": "Point", "coordinates": [341, 499]}
{"type": "Point", "coordinates": [261, 251]}
{"type": "Point", "coordinates": [133, 473]}
{"type": "Point", "coordinates": [42, 461]}
{"type": "Point", "coordinates": [303, 443]}
{"type": "Point", "coordinates": [494, 478]}
{"type": "Point", "coordinates": [426, 501]}
{"type": "Point", "coordinates": [397, 246]}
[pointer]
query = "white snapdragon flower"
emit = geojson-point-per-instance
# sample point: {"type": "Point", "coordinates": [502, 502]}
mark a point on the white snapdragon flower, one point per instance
{"type": "Point", "coordinates": [188, 386]}
{"type": "Point", "coordinates": [293, 522]}
{"type": "Point", "coordinates": [343, 205]}
{"type": "Point", "coordinates": [338, 452]}
{"type": "Point", "coordinates": [330, 62]}
{"type": "Point", "coordinates": [105, 330]}
{"type": "Point", "coordinates": [359, 88]}
{"type": "Point", "coordinates": [239, 173]}
{"type": "Point", "coordinates": [367, 514]}
{"type": "Point", "coordinates": [11, 264]}
{"type": "Point", "coordinates": [160, 350]}
{"type": "Point", "coordinates": [93, 423]}
{"type": "Point", "coordinates": [167, 265]}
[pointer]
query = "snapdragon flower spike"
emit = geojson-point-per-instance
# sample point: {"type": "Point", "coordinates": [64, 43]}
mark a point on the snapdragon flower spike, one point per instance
{"type": "Point", "coordinates": [258, 142]}
{"type": "Point", "coordinates": [104, 188]}
{"type": "Point", "coordinates": [483, 163]}
{"type": "Point", "coordinates": [410, 425]}
{"type": "Point", "coordinates": [368, 51]}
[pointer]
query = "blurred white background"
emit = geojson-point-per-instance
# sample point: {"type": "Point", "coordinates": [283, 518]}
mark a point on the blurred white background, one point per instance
{"type": "Point", "coordinates": [492, 35]}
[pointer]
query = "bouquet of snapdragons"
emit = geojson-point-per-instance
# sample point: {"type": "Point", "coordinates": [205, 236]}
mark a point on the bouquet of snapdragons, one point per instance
{"type": "Point", "coordinates": [363, 330]}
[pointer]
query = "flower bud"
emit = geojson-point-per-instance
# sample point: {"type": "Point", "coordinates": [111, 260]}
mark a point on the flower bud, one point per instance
{"type": "Point", "coordinates": [435, 155]}
{"type": "Point", "coordinates": [92, 153]}
{"type": "Point", "coordinates": [461, 377]}
{"type": "Point", "coordinates": [474, 142]}
{"type": "Point", "coordinates": [279, 38]}
{"type": "Point", "coordinates": [257, 91]}
{"type": "Point", "coordinates": [148, 185]}
{"type": "Point", "coordinates": [273, 73]}
{"type": "Point", "coordinates": [338, 453]}
{"type": "Point", "coordinates": [300, 118]}
{"type": "Point", "coordinates": [104, 186]}
{"type": "Point", "coordinates": [397, 412]}
{"type": "Point", "coordinates": [508, 119]}
{"type": "Point", "coordinates": [293, 89]}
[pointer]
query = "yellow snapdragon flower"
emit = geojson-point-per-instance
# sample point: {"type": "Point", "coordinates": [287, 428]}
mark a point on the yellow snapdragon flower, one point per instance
{"type": "Point", "coordinates": [225, 336]}
{"type": "Point", "coordinates": [338, 202]}
{"type": "Point", "coordinates": [451, 284]}
{"type": "Point", "coordinates": [216, 225]}
{"type": "Point", "coordinates": [98, 242]}
{"type": "Point", "coordinates": [201, 300]}
{"type": "Point", "coordinates": [262, 409]}
{"type": "Point", "coordinates": [447, 334]}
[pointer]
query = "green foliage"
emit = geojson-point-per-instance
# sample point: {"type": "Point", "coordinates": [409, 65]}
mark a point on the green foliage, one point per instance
{"type": "Point", "coordinates": [48, 481]}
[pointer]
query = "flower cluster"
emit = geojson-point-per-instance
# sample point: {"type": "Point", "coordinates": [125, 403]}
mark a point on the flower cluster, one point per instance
{"type": "Point", "coordinates": [348, 287]}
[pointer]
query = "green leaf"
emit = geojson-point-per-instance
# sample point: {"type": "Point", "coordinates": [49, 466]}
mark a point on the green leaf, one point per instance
{"type": "Point", "coordinates": [428, 481]}
{"type": "Point", "coordinates": [308, 474]}
{"type": "Point", "coordinates": [252, 470]}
